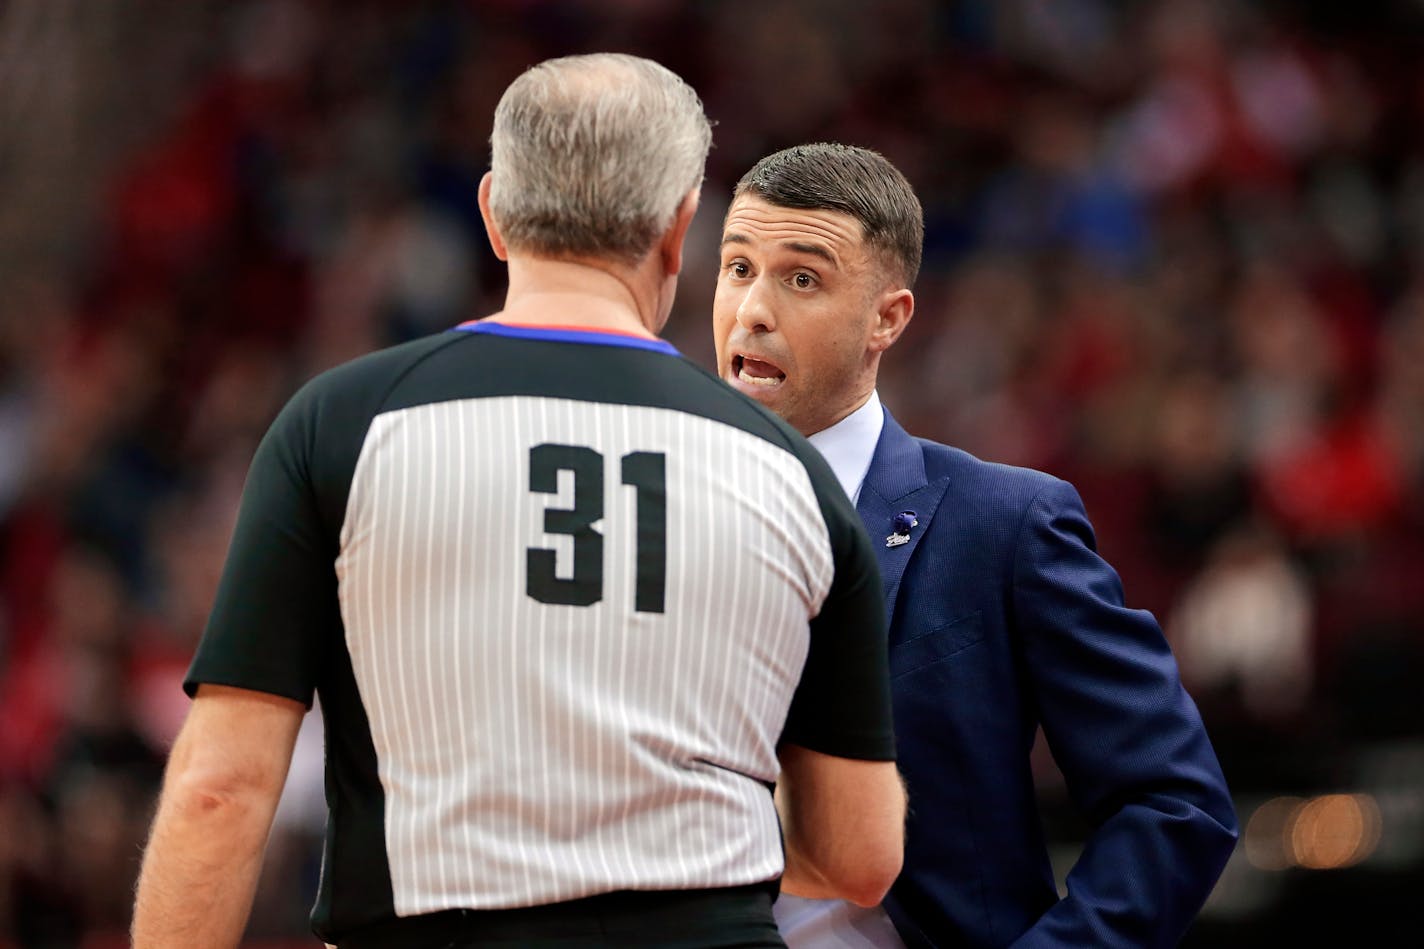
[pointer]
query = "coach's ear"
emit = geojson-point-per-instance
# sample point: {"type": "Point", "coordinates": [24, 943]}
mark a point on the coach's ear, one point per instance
{"type": "Point", "coordinates": [892, 314]}
{"type": "Point", "coordinates": [491, 228]}
{"type": "Point", "coordinates": [671, 246]}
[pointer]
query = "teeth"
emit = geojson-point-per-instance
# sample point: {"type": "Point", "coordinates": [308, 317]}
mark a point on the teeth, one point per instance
{"type": "Point", "coordinates": [758, 380]}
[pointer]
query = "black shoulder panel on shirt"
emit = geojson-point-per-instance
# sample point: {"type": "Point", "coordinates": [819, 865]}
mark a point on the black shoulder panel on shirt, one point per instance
{"type": "Point", "coordinates": [479, 365]}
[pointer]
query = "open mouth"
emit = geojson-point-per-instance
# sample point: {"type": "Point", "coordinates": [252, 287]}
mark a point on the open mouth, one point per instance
{"type": "Point", "coordinates": [756, 372]}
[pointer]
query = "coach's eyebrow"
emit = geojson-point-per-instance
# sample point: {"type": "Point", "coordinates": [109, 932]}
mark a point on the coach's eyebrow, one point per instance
{"type": "Point", "coordinates": [815, 250]}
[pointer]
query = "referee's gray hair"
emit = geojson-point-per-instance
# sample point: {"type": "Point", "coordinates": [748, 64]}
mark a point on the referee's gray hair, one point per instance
{"type": "Point", "coordinates": [591, 155]}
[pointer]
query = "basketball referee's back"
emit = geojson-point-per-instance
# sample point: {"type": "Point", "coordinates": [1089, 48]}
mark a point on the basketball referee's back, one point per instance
{"type": "Point", "coordinates": [572, 606]}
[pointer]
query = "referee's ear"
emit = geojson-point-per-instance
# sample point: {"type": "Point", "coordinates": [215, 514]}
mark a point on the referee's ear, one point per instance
{"type": "Point", "coordinates": [670, 248]}
{"type": "Point", "coordinates": [491, 228]}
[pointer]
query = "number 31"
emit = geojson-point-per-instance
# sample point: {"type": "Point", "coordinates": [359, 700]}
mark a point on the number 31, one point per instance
{"type": "Point", "coordinates": [646, 472]}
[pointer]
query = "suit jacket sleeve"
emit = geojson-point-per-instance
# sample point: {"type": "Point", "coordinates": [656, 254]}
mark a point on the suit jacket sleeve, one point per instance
{"type": "Point", "coordinates": [1127, 737]}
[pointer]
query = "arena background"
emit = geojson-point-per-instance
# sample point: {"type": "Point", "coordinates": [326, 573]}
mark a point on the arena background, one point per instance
{"type": "Point", "coordinates": [1173, 254]}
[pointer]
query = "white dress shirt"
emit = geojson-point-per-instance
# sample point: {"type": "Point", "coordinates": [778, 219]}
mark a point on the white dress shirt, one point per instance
{"type": "Point", "coordinates": [848, 446]}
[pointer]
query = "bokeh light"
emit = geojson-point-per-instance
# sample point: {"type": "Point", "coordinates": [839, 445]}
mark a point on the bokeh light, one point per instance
{"type": "Point", "coordinates": [1328, 832]}
{"type": "Point", "coordinates": [1268, 832]}
{"type": "Point", "coordinates": [1334, 831]}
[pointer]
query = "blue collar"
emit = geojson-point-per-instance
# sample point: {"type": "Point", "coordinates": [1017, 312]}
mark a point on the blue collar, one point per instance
{"type": "Point", "coordinates": [569, 334]}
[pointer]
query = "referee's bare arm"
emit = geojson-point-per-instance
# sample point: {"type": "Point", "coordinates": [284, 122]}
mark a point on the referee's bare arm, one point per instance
{"type": "Point", "coordinates": [844, 824]}
{"type": "Point", "coordinates": [224, 778]}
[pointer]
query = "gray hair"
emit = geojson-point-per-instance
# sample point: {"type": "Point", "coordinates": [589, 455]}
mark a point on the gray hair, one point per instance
{"type": "Point", "coordinates": [591, 155]}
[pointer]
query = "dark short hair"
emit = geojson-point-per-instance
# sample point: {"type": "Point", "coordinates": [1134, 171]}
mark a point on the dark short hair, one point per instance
{"type": "Point", "coordinates": [826, 176]}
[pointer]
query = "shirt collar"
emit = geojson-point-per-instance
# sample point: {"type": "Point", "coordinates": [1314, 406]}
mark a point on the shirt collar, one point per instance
{"type": "Point", "coordinates": [849, 444]}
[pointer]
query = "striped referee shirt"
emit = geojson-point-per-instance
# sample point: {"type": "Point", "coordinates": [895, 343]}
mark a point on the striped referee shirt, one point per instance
{"type": "Point", "coordinates": [562, 594]}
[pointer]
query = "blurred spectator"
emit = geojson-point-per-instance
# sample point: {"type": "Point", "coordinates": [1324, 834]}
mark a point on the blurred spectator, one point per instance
{"type": "Point", "coordinates": [1242, 630]}
{"type": "Point", "coordinates": [1199, 489]}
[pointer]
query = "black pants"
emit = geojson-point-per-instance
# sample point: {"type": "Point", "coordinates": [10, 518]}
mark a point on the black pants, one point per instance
{"type": "Point", "coordinates": [732, 918]}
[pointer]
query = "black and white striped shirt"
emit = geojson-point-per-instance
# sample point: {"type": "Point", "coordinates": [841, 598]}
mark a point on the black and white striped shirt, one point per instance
{"type": "Point", "coordinates": [562, 594]}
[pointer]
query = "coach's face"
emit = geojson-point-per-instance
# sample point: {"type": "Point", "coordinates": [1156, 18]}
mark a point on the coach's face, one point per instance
{"type": "Point", "coordinates": [802, 312]}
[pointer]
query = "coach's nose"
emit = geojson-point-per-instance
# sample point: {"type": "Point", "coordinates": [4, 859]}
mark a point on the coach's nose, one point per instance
{"type": "Point", "coordinates": [754, 313]}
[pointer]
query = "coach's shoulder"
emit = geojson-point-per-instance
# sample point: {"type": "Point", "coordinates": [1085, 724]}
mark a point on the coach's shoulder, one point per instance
{"type": "Point", "coordinates": [989, 482]}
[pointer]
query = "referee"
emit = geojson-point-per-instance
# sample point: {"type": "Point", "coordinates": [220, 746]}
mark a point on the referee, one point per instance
{"type": "Point", "coordinates": [572, 606]}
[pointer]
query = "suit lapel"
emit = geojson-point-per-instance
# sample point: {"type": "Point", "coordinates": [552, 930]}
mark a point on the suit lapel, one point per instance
{"type": "Point", "coordinates": [896, 482]}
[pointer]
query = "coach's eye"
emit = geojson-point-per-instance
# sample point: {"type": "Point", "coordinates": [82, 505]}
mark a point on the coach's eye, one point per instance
{"type": "Point", "coordinates": [738, 268]}
{"type": "Point", "coordinates": [804, 281]}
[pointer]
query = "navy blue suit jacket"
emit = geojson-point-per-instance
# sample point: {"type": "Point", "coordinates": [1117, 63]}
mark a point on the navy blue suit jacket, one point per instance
{"type": "Point", "coordinates": [1003, 617]}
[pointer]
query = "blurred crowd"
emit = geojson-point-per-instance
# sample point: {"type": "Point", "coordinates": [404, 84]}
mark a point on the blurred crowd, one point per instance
{"type": "Point", "coordinates": [1175, 253]}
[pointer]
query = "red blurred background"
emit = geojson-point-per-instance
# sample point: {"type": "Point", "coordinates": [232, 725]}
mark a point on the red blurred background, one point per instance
{"type": "Point", "coordinates": [1173, 254]}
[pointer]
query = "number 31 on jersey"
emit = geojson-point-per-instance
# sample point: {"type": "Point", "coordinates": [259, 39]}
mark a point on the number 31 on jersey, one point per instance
{"type": "Point", "coordinates": [644, 471]}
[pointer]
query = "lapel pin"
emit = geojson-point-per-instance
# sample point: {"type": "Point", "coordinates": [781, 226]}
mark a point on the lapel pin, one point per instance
{"type": "Point", "coordinates": [901, 527]}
